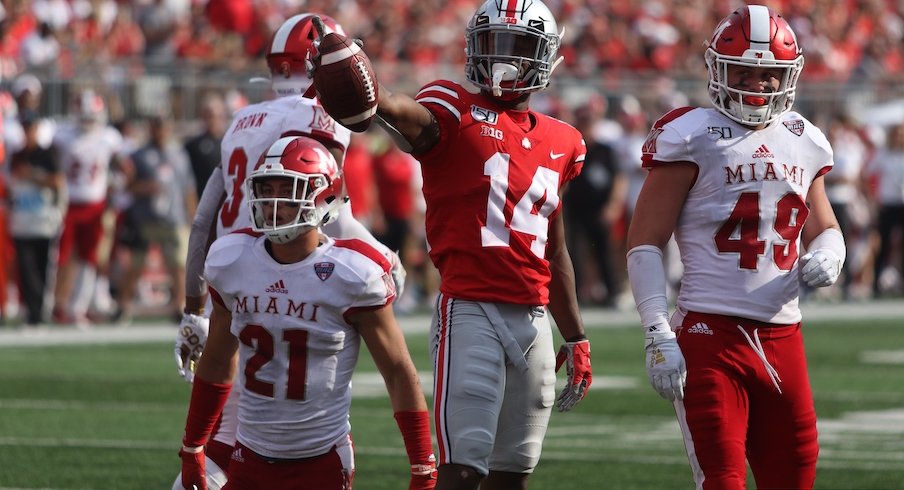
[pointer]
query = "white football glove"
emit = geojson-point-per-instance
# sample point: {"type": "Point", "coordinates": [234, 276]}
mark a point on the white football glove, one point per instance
{"type": "Point", "coordinates": [190, 341]}
{"type": "Point", "coordinates": [820, 268]}
{"type": "Point", "coordinates": [665, 364]}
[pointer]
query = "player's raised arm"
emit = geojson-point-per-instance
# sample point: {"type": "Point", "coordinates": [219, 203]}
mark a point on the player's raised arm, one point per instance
{"type": "Point", "coordinates": [350, 92]}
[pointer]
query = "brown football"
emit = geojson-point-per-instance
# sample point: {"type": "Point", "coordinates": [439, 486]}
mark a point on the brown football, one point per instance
{"type": "Point", "coordinates": [345, 82]}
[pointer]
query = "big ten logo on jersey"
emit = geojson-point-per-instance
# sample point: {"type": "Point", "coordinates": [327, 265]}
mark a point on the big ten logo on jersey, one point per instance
{"type": "Point", "coordinates": [250, 121]}
{"type": "Point", "coordinates": [276, 306]}
{"type": "Point", "coordinates": [491, 132]}
{"type": "Point", "coordinates": [484, 115]}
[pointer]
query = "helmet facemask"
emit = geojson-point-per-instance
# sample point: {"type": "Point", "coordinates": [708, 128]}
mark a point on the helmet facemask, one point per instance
{"type": "Point", "coordinates": [746, 107]}
{"type": "Point", "coordinates": [284, 204]}
{"type": "Point", "coordinates": [510, 56]}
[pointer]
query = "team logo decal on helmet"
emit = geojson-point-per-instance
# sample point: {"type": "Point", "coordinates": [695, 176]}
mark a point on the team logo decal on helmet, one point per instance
{"type": "Point", "coordinates": [753, 36]}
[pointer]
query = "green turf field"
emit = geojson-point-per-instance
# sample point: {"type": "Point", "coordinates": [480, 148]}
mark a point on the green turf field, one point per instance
{"type": "Point", "coordinates": [110, 417]}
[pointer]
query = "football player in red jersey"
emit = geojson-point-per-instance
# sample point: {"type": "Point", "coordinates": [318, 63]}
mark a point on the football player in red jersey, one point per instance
{"type": "Point", "coordinates": [222, 206]}
{"type": "Point", "coordinates": [741, 186]}
{"type": "Point", "coordinates": [493, 175]}
{"type": "Point", "coordinates": [293, 354]}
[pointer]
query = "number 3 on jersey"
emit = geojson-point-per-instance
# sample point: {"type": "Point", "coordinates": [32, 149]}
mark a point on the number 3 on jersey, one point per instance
{"type": "Point", "coordinates": [238, 167]}
{"type": "Point", "coordinates": [790, 215]}
{"type": "Point", "coordinates": [544, 186]}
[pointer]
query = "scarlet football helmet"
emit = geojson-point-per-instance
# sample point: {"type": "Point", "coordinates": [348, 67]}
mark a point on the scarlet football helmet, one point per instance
{"type": "Point", "coordinates": [288, 49]}
{"type": "Point", "coordinates": [511, 46]}
{"type": "Point", "coordinates": [753, 36]}
{"type": "Point", "coordinates": [316, 193]}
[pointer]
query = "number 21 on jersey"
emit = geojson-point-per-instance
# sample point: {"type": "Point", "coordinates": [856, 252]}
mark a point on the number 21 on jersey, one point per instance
{"type": "Point", "coordinates": [543, 186]}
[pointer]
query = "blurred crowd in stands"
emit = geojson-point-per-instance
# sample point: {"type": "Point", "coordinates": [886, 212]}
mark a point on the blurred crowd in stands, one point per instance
{"type": "Point", "coordinates": [842, 38]}
{"type": "Point", "coordinates": [104, 239]}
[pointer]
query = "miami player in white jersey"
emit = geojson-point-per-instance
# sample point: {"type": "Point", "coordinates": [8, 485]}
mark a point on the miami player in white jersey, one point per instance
{"type": "Point", "coordinates": [222, 207]}
{"type": "Point", "coordinates": [290, 308]}
{"type": "Point", "coordinates": [88, 149]}
{"type": "Point", "coordinates": [741, 186]}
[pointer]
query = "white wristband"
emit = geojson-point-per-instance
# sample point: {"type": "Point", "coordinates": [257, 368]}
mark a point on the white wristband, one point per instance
{"type": "Point", "coordinates": [647, 276]}
{"type": "Point", "coordinates": [829, 239]}
{"type": "Point", "coordinates": [192, 450]}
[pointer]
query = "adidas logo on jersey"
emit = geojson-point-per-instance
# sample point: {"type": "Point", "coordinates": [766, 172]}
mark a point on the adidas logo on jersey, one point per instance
{"type": "Point", "coordinates": [763, 152]}
{"type": "Point", "coordinates": [277, 287]}
{"type": "Point", "coordinates": [700, 328]}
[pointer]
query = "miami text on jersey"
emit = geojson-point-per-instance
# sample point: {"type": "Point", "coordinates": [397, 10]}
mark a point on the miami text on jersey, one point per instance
{"type": "Point", "coordinates": [276, 306]}
{"type": "Point", "coordinates": [765, 171]}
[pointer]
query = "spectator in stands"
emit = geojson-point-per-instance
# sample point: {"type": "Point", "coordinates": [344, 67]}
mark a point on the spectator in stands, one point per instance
{"type": "Point", "coordinates": [164, 196]}
{"type": "Point", "coordinates": [40, 49]}
{"type": "Point", "coordinates": [125, 38]}
{"type": "Point", "coordinates": [36, 195]}
{"type": "Point", "coordinates": [27, 91]}
{"type": "Point", "coordinates": [203, 148]}
{"type": "Point", "coordinates": [158, 22]}
{"type": "Point", "coordinates": [887, 167]}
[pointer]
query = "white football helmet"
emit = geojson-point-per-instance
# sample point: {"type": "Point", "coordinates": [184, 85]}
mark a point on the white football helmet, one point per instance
{"type": "Point", "coordinates": [754, 36]}
{"type": "Point", "coordinates": [316, 193]}
{"type": "Point", "coordinates": [511, 47]}
{"type": "Point", "coordinates": [288, 50]}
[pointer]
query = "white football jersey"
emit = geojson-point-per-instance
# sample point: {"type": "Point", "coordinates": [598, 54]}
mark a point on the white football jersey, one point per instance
{"type": "Point", "coordinates": [85, 158]}
{"type": "Point", "coordinates": [739, 230]}
{"type": "Point", "coordinates": [296, 350]}
{"type": "Point", "coordinates": [254, 128]}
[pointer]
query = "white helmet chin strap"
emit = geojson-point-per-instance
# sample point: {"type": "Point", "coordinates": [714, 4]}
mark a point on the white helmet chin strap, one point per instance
{"type": "Point", "coordinates": [750, 114]}
{"type": "Point", "coordinates": [503, 72]}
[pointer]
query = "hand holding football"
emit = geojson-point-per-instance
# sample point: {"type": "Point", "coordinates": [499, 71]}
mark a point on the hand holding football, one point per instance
{"type": "Point", "coordinates": [345, 82]}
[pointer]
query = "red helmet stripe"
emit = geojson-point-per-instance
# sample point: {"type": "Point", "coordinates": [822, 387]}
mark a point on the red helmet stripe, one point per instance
{"type": "Point", "coordinates": [281, 38]}
{"type": "Point", "coordinates": [511, 6]}
{"type": "Point", "coordinates": [760, 28]}
{"type": "Point", "coordinates": [276, 150]}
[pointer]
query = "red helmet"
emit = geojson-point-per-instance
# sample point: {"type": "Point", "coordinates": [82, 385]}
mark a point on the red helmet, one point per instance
{"type": "Point", "coordinates": [754, 36]}
{"type": "Point", "coordinates": [288, 49]}
{"type": "Point", "coordinates": [316, 188]}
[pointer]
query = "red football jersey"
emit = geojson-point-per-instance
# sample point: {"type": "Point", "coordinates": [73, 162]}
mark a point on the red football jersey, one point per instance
{"type": "Point", "coordinates": [492, 187]}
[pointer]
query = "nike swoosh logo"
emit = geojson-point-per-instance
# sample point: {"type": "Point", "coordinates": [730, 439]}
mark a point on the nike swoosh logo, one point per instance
{"type": "Point", "coordinates": [556, 155]}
